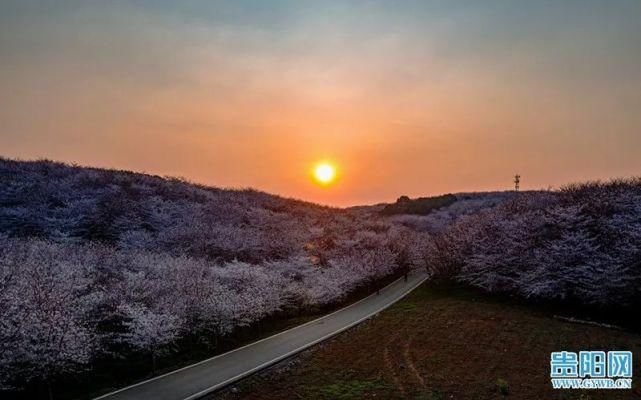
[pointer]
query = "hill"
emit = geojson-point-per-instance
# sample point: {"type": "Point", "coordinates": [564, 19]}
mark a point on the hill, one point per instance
{"type": "Point", "coordinates": [128, 210]}
{"type": "Point", "coordinates": [434, 214]}
{"type": "Point", "coordinates": [420, 206]}
{"type": "Point", "coordinates": [579, 245]}
{"type": "Point", "coordinates": [98, 266]}
{"type": "Point", "coordinates": [100, 269]}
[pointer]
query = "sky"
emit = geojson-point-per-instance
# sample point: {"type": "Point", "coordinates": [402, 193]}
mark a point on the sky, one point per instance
{"type": "Point", "coordinates": [405, 97]}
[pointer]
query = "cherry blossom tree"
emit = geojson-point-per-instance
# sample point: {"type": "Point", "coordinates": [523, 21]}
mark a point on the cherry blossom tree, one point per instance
{"type": "Point", "coordinates": [149, 331]}
{"type": "Point", "coordinates": [46, 328]}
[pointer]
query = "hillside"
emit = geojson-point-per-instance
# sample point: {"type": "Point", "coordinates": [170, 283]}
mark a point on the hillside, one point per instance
{"type": "Point", "coordinates": [434, 214]}
{"type": "Point", "coordinates": [580, 245]}
{"type": "Point", "coordinates": [99, 266]}
{"type": "Point", "coordinates": [105, 270]}
{"type": "Point", "coordinates": [420, 206]}
{"type": "Point", "coordinates": [136, 211]}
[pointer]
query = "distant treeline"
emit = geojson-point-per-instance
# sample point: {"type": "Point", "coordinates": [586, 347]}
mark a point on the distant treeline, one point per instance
{"type": "Point", "coordinates": [420, 206]}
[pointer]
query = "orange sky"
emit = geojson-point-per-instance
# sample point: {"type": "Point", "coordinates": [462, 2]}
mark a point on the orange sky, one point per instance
{"type": "Point", "coordinates": [416, 99]}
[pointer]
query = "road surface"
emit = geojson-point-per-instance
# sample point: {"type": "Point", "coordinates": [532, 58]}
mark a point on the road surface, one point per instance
{"type": "Point", "coordinates": [206, 376]}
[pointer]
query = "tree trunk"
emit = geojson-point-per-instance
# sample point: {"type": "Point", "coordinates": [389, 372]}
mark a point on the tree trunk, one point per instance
{"type": "Point", "coordinates": [50, 390]}
{"type": "Point", "coordinates": [153, 363]}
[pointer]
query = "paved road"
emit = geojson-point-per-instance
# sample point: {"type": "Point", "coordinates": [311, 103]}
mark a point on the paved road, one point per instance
{"type": "Point", "coordinates": [206, 376]}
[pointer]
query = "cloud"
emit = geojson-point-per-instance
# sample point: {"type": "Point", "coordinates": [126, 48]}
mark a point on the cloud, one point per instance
{"type": "Point", "coordinates": [418, 98]}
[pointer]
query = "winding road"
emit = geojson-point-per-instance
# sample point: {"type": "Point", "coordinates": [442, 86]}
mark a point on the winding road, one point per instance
{"type": "Point", "coordinates": [214, 373]}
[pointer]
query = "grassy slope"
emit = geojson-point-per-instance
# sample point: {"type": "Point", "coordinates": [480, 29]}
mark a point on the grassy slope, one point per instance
{"type": "Point", "coordinates": [442, 344]}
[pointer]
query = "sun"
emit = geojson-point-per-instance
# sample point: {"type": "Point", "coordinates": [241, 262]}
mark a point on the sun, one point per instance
{"type": "Point", "coordinates": [325, 173]}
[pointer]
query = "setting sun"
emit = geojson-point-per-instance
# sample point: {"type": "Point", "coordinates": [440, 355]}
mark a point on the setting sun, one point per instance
{"type": "Point", "coordinates": [325, 173]}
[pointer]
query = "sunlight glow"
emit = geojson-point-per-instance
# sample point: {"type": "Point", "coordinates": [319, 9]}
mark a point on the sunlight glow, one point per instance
{"type": "Point", "coordinates": [324, 173]}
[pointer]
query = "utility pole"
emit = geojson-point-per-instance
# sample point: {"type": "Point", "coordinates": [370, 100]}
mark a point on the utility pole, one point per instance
{"type": "Point", "coordinates": [517, 181]}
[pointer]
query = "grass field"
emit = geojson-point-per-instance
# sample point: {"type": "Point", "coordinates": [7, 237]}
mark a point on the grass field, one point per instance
{"type": "Point", "coordinates": [442, 343]}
